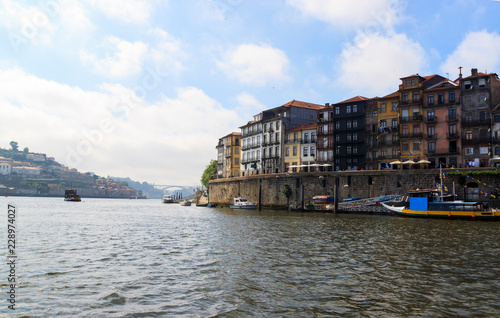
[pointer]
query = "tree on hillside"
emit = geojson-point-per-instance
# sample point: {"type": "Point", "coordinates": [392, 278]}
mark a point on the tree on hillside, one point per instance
{"type": "Point", "coordinates": [26, 150]}
{"type": "Point", "coordinates": [210, 170]}
{"type": "Point", "coordinates": [14, 146]}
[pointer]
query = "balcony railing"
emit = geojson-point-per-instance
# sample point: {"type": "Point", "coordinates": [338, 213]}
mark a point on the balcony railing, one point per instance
{"type": "Point", "coordinates": [451, 119]}
{"type": "Point", "coordinates": [452, 135]}
{"type": "Point", "coordinates": [430, 120]}
{"type": "Point", "coordinates": [444, 151]}
{"type": "Point", "coordinates": [430, 137]}
{"type": "Point", "coordinates": [409, 135]}
{"type": "Point", "coordinates": [475, 140]}
{"type": "Point", "coordinates": [410, 119]}
{"type": "Point", "coordinates": [469, 122]}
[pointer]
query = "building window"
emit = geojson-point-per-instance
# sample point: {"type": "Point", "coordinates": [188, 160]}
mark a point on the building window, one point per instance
{"type": "Point", "coordinates": [497, 150]}
{"type": "Point", "coordinates": [483, 150]}
{"type": "Point", "coordinates": [467, 85]}
{"type": "Point", "coordinates": [337, 125]}
{"type": "Point", "coordinates": [451, 97]}
{"type": "Point", "coordinates": [294, 150]}
{"type": "Point", "coordinates": [354, 108]}
{"type": "Point", "coordinates": [482, 82]}
{"type": "Point", "coordinates": [374, 114]}
{"type": "Point", "coordinates": [431, 146]}
{"type": "Point", "coordinates": [468, 135]}
{"type": "Point", "coordinates": [337, 138]}
{"type": "Point", "coordinates": [383, 108]}
{"type": "Point", "coordinates": [469, 151]}
{"type": "Point", "coordinates": [306, 137]}
{"type": "Point", "coordinates": [382, 123]}
{"type": "Point", "coordinates": [354, 136]}
{"type": "Point", "coordinates": [430, 115]}
{"type": "Point", "coordinates": [497, 118]}
{"type": "Point", "coordinates": [416, 145]}
{"type": "Point", "coordinates": [431, 131]}
{"type": "Point", "coordinates": [337, 110]}
{"type": "Point", "coordinates": [349, 150]}
{"type": "Point", "coordinates": [394, 107]}
{"type": "Point", "coordinates": [415, 97]}
{"type": "Point", "coordinates": [467, 100]}
{"type": "Point", "coordinates": [394, 123]}
{"type": "Point", "coordinates": [405, 146]}
{"type": "Point", "coordinates": [313, 151]}
{"type": "Point", "coordinates": [430, 100]}
{"type": "Point", "coordinates": [349, 137]}
{"type": "Point", "coordinates": [355, 123]}
{"type": "Point", "coordinates": [453, 130]}
{"type": "Point", "coordinates": [348, 109]}
{"type": "Point", "coordinates": [452, 113]}
{"type": "Point", "coordinates": [305, 152]}
{"type": "Point", "coordinates": [287, 151]}
{"type": "Point", "coordinates": [404, 98]}
{"type": "Point", "coordinates": [441, 98]}
{"type": "Point", "coordinates": [349, 124]}
{"type": "Point", "coordinates": [354, 149]}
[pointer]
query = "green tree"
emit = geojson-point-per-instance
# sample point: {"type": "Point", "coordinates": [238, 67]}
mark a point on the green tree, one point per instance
{"type": "Point", "coordinates": [26, 150]}
{"type": "Point", "coordinates": [14, 146]}
{"type": "Point", "coordinates": [287, 191]}
{"type": "Point", "coordinates": [210, 170]}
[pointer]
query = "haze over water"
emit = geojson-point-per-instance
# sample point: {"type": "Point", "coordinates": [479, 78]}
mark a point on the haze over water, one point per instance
{"type": "Point", "coordinates": [141, 258]}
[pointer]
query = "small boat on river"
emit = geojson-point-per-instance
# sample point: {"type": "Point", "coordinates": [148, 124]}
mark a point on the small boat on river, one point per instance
{"type": "Point", "coordinates": [167, 198]}
{"type": "Point", "coordinates": [185, 203]}
{"type": "Point", "coordinates": [323, 199]}
{"type": "Point", "coordinates": [71, 195]}
{"type": "Point", "coordinates": [242, 203]}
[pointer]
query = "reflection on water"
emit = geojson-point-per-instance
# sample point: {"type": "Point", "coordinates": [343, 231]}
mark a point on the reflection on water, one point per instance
{"type": "Point", "coordinates": [141, 258]}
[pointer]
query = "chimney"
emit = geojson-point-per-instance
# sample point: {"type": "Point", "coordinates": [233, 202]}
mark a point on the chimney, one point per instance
{"type": "Point", "coordinates": [327, 104]}
{"type": "Point", "coordinates": [473, 71]}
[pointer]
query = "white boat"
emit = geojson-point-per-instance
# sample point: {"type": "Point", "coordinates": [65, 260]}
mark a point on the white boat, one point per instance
{"type": "Point", "coordinates": [167, 198]}
{"type": "Point", "coordinates": [242, 203]}
{"type": "Point", "coordinates": [185, 203]}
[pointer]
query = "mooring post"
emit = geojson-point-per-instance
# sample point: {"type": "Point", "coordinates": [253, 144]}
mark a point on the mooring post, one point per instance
{"type": "Point", "coordinates": [260, 197]}
{"type": "Point", "coordinates": [302, 195]}
{"type": "Point", "coordinates": [336, 195]}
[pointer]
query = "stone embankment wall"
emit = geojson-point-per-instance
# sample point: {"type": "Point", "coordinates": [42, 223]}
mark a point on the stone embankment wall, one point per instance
{"type": "Point", "coordinates": [362, 184]}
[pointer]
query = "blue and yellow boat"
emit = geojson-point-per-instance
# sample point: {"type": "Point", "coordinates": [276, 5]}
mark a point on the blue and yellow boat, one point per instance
{"type": "Point", "coordinates": [431, 204]}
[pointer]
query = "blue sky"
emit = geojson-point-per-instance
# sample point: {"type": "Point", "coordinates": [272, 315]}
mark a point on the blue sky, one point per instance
{"type": "Point", "coordinates": [145, 88]}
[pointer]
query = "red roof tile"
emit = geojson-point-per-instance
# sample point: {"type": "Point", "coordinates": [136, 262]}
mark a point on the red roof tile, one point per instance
{"type": "Point", "coordinates": [395, 94]}
{"type": "Point", "coordinates": [354, 99]}
{"type": "Point", "coordinates": [297, 103]}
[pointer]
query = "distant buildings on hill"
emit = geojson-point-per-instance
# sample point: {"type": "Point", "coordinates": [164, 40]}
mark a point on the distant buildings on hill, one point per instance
{"type": "Point", "coordinates": [428, 120]}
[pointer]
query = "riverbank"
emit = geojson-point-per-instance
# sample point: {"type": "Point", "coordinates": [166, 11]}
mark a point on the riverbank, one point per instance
{"type": "Point", "coordinates": [477, 184]}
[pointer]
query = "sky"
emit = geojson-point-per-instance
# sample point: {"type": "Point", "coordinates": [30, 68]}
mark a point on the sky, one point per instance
{"type": "Point", "coordinates": [145, 88]}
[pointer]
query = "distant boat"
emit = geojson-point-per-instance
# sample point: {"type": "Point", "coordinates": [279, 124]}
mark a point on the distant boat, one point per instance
{"type": "Point", "coordinates": [242, 203]}
{"type": "Point", "coordinates": [323, 199]}
{"type": "Point", "coordinates": [71, 195]}
{"type": "Point", "coordinates": [185, 203]}
{"type": "Point", "coordinates": [167, 198]}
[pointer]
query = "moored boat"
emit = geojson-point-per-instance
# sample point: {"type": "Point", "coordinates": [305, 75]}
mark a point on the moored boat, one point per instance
{"type": "Point", "coordinates": [167, 198]}
{"type": "Point", "coordinates": [185, 203]}
{"type": "Point", "coordinates": [242, 203]}
{"type": "Point", "coordinates": [323, 199]}
{"type": "Point", "coordinates": [71, 195]}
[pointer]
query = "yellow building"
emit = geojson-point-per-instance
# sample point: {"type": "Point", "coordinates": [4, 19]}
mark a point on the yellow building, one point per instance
{"type": "Point", "coordinates": [388, 130]}
{"type": "Point", "coordinates": [291, 151]}
{"type": "Point", "coordinates": [232, 150]}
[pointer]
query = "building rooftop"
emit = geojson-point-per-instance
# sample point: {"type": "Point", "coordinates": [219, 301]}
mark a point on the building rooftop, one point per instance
{"type": "Point", "coordinates": [297, 103]}
{"type": "Point", "coordinates": [354, 99]}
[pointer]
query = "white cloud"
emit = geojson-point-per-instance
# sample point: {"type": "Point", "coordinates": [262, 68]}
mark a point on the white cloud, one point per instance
{"type": "Point", "coordinates": [247, 106]}
{"type": "Point", "coordinates": [255, 64]}
{"type": "Point", "coordinates": [166, 51]}
{"type": "Point", "coordinates": [373, 66]}
{"type": "Point", "coordinates": [137, 11]}
{"type": "Point", "coordinates": [164, 142]}
{"type": "Point", "coordinates": [126, 58]}
{"type": "Point", "coordinates": [479, 50]}
{"type": "Point", "coordinates": [346, 14]}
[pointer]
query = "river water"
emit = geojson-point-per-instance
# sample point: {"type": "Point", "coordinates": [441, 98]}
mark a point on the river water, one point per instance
{"type": "Point", "coordinates": [142, 258]}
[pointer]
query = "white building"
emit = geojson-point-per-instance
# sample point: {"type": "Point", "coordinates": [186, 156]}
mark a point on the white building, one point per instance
{"type": "Point", "coordinates": [5, 168]}
{"type": "Point", "coordinates": [251, 147]}
{"type": "Point", "coordinates": [30, 171]}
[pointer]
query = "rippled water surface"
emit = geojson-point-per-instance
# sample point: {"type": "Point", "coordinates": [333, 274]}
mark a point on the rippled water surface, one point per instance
{"type": "Point", "coordinates": [141, 258]}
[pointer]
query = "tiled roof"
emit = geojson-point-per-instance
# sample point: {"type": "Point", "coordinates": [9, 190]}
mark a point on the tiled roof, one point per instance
{"type": "Point", "coordinates": [303, 127]}
{"type": "Point", "coordinates": [414, 75]}
{"type": "Point", "coordinates": [297, 103]}
{"type": "Point", "coordinates": [395, 94]}
{"type": "Point", "coordinates": [354, 99]}
{"type": "Point", "coordinates": [480, 74]}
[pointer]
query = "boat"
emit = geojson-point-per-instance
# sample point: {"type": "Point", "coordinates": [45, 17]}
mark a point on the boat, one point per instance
{"type": "Point", "coordinates": [323, 199]}
{"type": "Point", "coordinates": [71, 195]}
{"type": "Point", "coordinates": [167, 198]}
{"type": "Point", "coordinates": [351, 199]}
{"type": "Point", "coordinates": [185, 203]}
{"type": "Point", "coordinates": [433, 203]}
{"type": "Point", "coordinates": [242, 203]}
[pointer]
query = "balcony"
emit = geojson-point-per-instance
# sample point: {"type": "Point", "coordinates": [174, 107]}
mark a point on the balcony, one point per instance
{"type": "Point", "coordinates": [411, 101]}
{"type": "Point", "coordinates": [251, 133]}
{"type": "Point", "coordinates": [452, 136]}
{"type": "Point", "coordinates": [443, 151]}
{"type": "Point", "coordinates": [328, 132]}
{"type": "Point", "coordinates": [451, 119]}
{"type": "Point", "coordinates": [409, 136]}
{"type": "Point", "coordinates": [389, 143]}
{"type": "Point", "coordinates": [430, 137]}
{"type": "Point", "coordinates": [410, 119]}
{"type": "Point", "coordinates": [430, 120]}
{"type": "Point", "coordinates": [475, 140]}
{"type": "Point", "coordinates": [469, 122]}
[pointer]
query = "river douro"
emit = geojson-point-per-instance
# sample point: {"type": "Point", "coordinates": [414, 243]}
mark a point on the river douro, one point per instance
{"type": "Point", "coordinates": [142, 258]}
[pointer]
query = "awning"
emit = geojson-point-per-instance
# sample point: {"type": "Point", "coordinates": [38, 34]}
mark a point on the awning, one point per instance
{"type": "Point", "coordinates": [397, 162]}
{"type": "Point", "coordinates": [423, 161]}
{"type": "Point", "coordinates": [409, 162]}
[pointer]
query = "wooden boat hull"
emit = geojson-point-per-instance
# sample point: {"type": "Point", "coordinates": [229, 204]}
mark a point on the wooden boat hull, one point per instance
{"type": "Point", "coordinates": [472, 215]}
{"type": "Point", "coordinates": [245, 207]}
